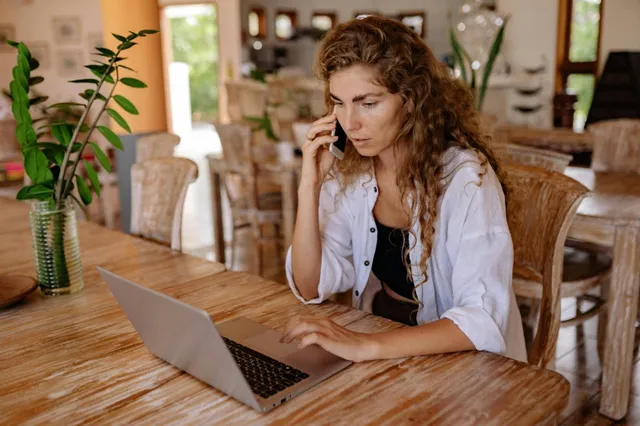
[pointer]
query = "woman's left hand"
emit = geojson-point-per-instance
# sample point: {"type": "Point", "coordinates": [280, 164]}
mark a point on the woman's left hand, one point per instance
{"type": "Point", "coordinates": [333, 338]}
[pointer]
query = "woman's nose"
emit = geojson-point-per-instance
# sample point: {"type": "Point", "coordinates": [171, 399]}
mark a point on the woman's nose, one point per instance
{"type": "Point", "coordinates": [350, 121]}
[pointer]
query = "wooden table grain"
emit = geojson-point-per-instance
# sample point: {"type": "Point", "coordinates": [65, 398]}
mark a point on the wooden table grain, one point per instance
{"type": "Point", "coordinates": [77, 359]}
{"type": "Point", "coordinates": [611, 217]}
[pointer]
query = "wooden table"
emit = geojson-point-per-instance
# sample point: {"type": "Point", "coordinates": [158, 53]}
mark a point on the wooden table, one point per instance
{"type": "Point", "coordinates": [611, 217]}
{"type": "Point", "coordinates": [77, 359]}
{"type": "Point", "coordinates": [556, 139]}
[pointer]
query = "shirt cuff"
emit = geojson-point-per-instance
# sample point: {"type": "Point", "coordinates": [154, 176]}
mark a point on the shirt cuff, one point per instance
{"type": "Point", "coordinates": [479, 327]}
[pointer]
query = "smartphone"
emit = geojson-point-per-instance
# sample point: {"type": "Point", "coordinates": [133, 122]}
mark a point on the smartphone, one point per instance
{"type": "Point", "coordinates": [337, 147]}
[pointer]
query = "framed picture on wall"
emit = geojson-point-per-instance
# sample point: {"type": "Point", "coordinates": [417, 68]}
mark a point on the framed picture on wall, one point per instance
{"type": "Point", "coordinates": [69, 63]}
{"type": "Point", "coordinates": [323, 21]}
{"type": "Point", "coordinates": [94, 40]}
{"type": "Point", "coordinates": [414, 20]}
{"type": "Point", "coordinates": [7, 32]}
{"type": "Point", "coordinates": [40, 50]}
{"type": "Point", "coordinates": [67, 29]}
{"type": "Point", "coordinates": [286, 23]}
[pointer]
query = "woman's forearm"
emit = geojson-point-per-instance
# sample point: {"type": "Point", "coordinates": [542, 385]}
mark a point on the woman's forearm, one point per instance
{"type": "Point", "coordinates": [436, 337]}
{"type": "Point", "coordinates": [306, 247]}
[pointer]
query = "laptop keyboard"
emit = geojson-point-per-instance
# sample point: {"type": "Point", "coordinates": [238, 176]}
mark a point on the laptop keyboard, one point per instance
{"type": "Point", "coordinates": [265, 375]}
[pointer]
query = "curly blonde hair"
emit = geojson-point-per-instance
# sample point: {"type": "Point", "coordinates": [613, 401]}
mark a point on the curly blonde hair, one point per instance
{"type": "Point", "coordinates": [439, 112]}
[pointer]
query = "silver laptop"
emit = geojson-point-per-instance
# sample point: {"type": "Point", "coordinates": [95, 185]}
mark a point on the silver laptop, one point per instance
{"type": "Point", "coordinates": [240, 357]}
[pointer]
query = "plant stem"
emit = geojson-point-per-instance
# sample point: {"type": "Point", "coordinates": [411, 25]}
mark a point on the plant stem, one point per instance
{"type": "Point", "coordinates": [91, 129]}
{"type": "Point", "coordinates": [61, 177]}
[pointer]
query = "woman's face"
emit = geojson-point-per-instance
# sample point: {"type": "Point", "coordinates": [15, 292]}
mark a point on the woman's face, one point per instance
{"type": "Point", "coordinates": [369, 114]}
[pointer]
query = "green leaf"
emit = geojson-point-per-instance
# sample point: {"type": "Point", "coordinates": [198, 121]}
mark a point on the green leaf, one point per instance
{"type": "Point", "coordinates": [127, 68]}
{"type": "Point", "coordinates": [118, 119]}
{"type": "Point", "coordinates": [126, 104]}
{"type": "Point", "coordinates": [24, 66]}
{"type": "Point", "coordinates": [457, 53]}
{"type": "Point", "coordinates": [64, 105]}
{"type": "Point", "coordinates": [62, 133]}
{"type": "Point", "coordinates": [55, 153]}
{"type": "Point", "coordinates": [35, 192]}
{"type": "Point", "coordinates": [26, 135]}
{"type": "Point", "coordinates": [132, 36]}
{"type": "Point", "coordinates": [133, 82]}
{"type": "Point", "coordinates": [89, 92]}
{"type": "Point", "coordinates": [119, 59]}
{"type": "Point", "coordinates": [37, 165]}
{"type": "Point", "coordinates": [148, 32]}
{"type": "Point", "coordinates": [13, 43]}
{"type": "Point", "coordinates": [101, 156]}
{"type": "Point", "coordinates": [76, 147]}
{"type": "Point", "coordinates": [106, 52]}
{"type": "Point", "coordinates": [127, 45]}
{"type": "Point", "coordinates": [93, 176]}
{"type": "Point", "coordinates": [99, 71]}
{"type": "Point", "coordinates": [34, 64]}
{"type": "Point", "coordinates": [20, 102]}
{"type": "Point", "coordinates": [37, 100]}
{"type": "Point", "coordinates": [20, 77]}
{"type": "Point", "coordinates": [493, 53]}
{"type": "Point", "coordinates": [83, 190]}
{"type": "Point", "coordinates": [35, 80]}
{"type": "Point", "coordinates": [119, 37]}
{"type": "Point", "coordinates": [111, 137]}
{"type": "Point", "coordinates": [24, 50]}
{"type": "Point", "coordinates": [85, 80]}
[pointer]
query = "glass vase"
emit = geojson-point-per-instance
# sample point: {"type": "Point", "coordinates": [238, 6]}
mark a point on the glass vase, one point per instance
{"type": "Point", "coordinates": [56, 248]}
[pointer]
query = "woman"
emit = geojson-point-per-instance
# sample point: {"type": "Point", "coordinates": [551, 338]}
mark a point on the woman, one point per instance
{"type": "Point", "coordinates": [415, 211]}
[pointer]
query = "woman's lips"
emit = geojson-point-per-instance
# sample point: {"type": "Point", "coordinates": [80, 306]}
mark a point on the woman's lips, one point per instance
{"type": "Point", "coordinates": [358, 141]}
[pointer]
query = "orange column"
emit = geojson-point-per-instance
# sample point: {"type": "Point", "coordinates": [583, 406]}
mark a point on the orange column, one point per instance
{"type": "Point", "coordinates": [120, 17]}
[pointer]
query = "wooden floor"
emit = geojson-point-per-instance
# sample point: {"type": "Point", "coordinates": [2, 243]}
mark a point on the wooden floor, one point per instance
{"type": "Point", "coordinates": [576, 354]}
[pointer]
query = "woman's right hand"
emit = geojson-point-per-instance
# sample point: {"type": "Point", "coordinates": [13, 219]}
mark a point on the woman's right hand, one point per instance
{"type": "Point", "coordinates": [316, 158]}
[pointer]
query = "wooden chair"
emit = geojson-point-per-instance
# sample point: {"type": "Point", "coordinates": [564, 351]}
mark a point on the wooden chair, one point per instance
{"type": "Point", "coordinates": [158, 190]}
{"type": "Point", "coordinates": [252, 205]}
{"type": "Point", "coordinates": [541, 206]}
{"type": "Point", "coordinates": [584, 268]}
{"type": "Point", "coordinates": [246, 98]}
{"type": "Point", "coordinates": [616, 146]}
{"type": "Point", "coordinates": [550, 160]}
{"type": "Point", "coordinates": [156, 145]}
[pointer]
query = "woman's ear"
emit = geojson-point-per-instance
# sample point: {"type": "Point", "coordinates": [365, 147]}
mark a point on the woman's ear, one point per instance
{"type": "Point", "coordinates": [410, 106]}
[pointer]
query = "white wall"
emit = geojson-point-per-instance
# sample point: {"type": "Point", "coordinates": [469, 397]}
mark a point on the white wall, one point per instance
{"type": "Point", "coordinates": [620, 27]}
{"type": "Point", "coordinates": [33, 22]}
{"type": "Point", "coordinates": [436, 14]}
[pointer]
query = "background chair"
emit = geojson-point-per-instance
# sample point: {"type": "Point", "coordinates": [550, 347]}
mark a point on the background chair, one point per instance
{"type": "Point", "coordinates": [158, 190]}
{"type": "Point", "coordinates": [616, 146]}
{"type": "Point", "coordinates": [541, 206]}
{"type": "Point", "coordinates": [253, 202]}
{"type": "Point", "coordinates": [156, 145]}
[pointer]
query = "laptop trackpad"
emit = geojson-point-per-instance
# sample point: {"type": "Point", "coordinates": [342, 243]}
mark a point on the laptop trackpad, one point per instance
{"type": "Point", "coordinates": [311, 359]}
{"type": "Point", "coordinates": [268, 342]}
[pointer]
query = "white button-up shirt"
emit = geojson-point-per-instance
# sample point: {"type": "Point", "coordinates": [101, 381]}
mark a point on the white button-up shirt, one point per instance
{"type": "Point", "coordinates": [471, 262]}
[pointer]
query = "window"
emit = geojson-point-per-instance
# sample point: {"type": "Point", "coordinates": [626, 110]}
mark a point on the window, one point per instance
{"type": "Point", "coordinates": [578, 50]}
{"type": "Point", "coordinates": [286, 21]}
{"type": "Point", "coordinates": [257, 22]}
{"type": "Point", "coordinates": [415, 21]}
{"type": "Point", "coordinates": [323, 21]}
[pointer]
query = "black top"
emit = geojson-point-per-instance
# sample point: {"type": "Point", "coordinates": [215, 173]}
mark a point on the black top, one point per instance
{"type": "Point", "coordinates": [387, 261]}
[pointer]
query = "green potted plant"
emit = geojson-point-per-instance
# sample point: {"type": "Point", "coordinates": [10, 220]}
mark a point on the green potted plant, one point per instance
{"type": "Point", "coordinates": [52, 165]}
{"type": "Point", "coordinates": [466, 65]}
